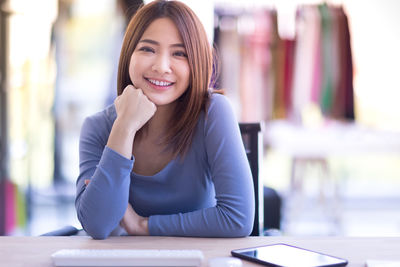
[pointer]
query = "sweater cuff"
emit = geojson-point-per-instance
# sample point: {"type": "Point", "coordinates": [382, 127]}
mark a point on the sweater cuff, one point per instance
{"type": "Point", "coordinates": [153, 225]}
{"type": "Point", "coordinates": [115, 162]}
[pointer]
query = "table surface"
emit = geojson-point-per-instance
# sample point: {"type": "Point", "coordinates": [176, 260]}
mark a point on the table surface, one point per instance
{"type": "Point", "coordinates": [36, 251]}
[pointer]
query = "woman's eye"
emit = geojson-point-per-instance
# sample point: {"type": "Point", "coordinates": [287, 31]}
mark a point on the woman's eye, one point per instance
{"type": "Point", "coordinates": [146, 49]}
{"type": "Point", "coordinates": [180, 54]}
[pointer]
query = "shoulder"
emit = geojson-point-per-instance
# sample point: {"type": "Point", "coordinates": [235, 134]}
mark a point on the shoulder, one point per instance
{"type": "Point", "coordinates": [220, 108]}
{"type": "Point", "coordinates": [220, 115]}
{"type": "Point", "coordinates": [104, 117]}
{"type": "Point", "coordinates": [219, 104]}
{"type": "Point", "coordinates": [99, 124]}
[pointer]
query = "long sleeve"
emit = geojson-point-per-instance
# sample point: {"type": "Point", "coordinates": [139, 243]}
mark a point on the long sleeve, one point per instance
{"type": "Point", "coordinates": [208, 193]}
{"type": "Point", "coordinates": [233, 213]}
{"type": "Point", "coordinates": [101, 205]}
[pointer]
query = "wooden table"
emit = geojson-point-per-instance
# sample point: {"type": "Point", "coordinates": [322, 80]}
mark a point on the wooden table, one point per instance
{"type": "Point", "coordinates": [36, 251]}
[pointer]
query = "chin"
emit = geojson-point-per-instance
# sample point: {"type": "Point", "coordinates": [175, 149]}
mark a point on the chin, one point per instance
{"type": "Point", "coordinates": [159, 102]}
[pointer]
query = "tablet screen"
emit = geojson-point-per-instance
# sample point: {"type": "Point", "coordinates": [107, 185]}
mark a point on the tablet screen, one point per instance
{"type": "Point", "coordinates": [287, 256]}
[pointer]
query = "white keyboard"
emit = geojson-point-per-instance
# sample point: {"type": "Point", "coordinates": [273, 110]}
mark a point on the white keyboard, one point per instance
{"type": "Point", "coordinates": [127, 257]}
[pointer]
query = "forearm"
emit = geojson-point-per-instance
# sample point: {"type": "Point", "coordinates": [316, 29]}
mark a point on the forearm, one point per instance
{"type": "Point", "coordinates": [102, 204]}
{"type": "Point", "coordinates": [133, 109]}
{"type": "Point", "coordinates": [121, 139]}
{"type": "Point", "coordinates": [216, 221]}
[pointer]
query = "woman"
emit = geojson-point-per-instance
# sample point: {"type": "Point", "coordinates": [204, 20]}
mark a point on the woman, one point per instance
{"type": "Point", "coordinates": [167, 157]}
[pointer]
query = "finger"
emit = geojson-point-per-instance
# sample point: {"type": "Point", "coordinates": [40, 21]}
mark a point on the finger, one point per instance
{"type": "Point", "coordinates": [139, 91]}
{"type": "Point", "coordinates": [154, 107]}
{"type": "Point", "coordinates": [130, 87]}
{"type": "Point", "coordinates": [87, 181]}
{"type": "Point", "coordinates": [116, 100]}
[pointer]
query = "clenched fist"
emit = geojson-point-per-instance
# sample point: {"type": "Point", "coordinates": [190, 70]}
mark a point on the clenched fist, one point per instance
{"type": "Point", "coordinates": [133, 108]}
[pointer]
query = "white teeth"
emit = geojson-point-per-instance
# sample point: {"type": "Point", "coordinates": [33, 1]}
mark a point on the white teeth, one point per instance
{"type": "Point", "coordinates": [159, 83]}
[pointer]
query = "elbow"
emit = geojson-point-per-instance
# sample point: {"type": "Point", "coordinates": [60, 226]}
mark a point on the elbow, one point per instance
{"type": "Point", "coordinates": [236, 231]}
{"type": "Point", "coordinates": [244, 223]}
{"type": "Point", "coordinates": [239, 224]}
{"type": "Point", "coordinates": [99, 236]}
{"type": "Point", "coordinates": [94, 228]}
{"type": "Point", "coordinates": [96, 232]}
{"type": "Point", "coordinates": [244, 229]}
{"type": "Point", "coordinates": [98, 225]}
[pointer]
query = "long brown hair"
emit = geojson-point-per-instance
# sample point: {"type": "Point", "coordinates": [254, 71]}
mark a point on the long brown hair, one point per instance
{"type": "Point", "coordinates": [189, 106]}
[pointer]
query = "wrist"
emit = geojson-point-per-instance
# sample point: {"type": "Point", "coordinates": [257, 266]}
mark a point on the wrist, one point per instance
{"type": "Point", "coordinates": [135, 224]}
{"type": "Point", "coordinates": [145, 226]}
{"type": "Point", "coordinates": [124, 127]}
{"type": "Point", "coordinates": [121, 139]}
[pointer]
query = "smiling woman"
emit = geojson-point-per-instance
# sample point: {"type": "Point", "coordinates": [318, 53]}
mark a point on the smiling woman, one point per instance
{"type": "Point", "coordinates": [199, 58]}
{"type": "Point", "coordinates": [167, 157]}
{"type": "Point", "coordinates": [159, 64]}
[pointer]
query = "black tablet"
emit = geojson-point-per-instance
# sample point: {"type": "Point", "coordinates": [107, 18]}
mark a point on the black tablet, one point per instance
{"type": "Point", "coordinates": [283, 255]}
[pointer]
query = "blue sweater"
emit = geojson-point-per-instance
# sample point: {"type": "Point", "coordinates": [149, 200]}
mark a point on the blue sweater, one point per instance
{"type": "Point", "coordinates": [207, 194]}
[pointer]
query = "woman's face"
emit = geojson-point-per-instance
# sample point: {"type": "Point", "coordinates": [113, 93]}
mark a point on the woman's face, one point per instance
{"type": "Point", "coordinates": [159, 64]}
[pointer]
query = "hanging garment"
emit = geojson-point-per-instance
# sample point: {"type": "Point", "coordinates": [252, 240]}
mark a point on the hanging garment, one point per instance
{"type": "Point", "coordinates": [255, 54]}
{"type": "Point", "coordinates": [288, 75]}
{"type": "Point", "coordinates": [346, 67]}
{"type": "Point", "coordinates": [277, 66]}
{"type": "Point", "coordinates": [326, 96]}
{"type": "Point", "coordinates": [306, 66]}
{"type": "Point", "coordinates": [228, 46]}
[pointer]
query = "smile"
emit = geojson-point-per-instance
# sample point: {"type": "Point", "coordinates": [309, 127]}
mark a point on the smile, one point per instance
{"type": "Point", "coordinates": [159, 83]}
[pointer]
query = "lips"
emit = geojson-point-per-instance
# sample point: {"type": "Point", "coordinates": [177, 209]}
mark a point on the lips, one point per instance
{"type": "Point", "coordinates": [159, 83]}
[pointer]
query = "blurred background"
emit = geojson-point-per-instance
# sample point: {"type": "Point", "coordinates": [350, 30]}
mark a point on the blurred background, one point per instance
{"type": "Point", "coordinates": [321, 76]}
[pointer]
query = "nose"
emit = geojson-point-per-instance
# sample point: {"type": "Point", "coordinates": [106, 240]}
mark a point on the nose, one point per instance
{"type": "Point", "coordinates": [162, 64]}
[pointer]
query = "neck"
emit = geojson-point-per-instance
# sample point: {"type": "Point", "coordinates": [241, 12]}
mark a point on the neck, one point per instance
{"type": "Point", "coordinates": [158, 124]}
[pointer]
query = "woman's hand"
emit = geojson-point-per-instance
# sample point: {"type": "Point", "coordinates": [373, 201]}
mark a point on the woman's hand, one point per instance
{"type": "Point", "coordinates": [133, 108]}
{"type": "Point", "coordinates": [133, 223]}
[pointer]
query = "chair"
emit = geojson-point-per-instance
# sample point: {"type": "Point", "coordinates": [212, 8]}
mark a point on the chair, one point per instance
{"type": "Point", "coordinates": [65, 231]}
{"type": "Point", "coordinates": [267, 201]}
{"type": "Point", "coordinates": [251, 136]}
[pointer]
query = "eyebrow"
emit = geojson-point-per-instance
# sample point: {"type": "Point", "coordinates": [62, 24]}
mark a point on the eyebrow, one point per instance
{"type": "Point", "coordinates": [149, 41]}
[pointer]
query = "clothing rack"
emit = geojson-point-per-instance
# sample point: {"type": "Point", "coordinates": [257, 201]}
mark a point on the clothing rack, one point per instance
{"type": "Point", "coordinates": [272, 77]}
